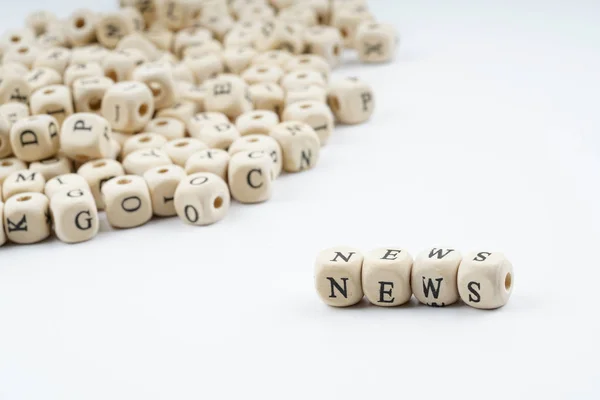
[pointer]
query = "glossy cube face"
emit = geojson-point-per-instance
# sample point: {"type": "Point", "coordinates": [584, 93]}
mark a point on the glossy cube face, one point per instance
{"type": "Point", "coordinates": [434, 276]}
{"type": "Point", "coordinates": [85, 137]}
{"type": "Point", "coordinates": [75, 215]}
{"type": "Point", "coordinates": [35, 138]}
{"type": "Point", "coordinates": [351, 100]}
{"type": "Point", "coordinates": [376, 42]}
{"type": "Point", "coordinates": [127, 201]}
{"type": "Point", "coordinates": [250, 176]}
{"type": "Point", "coordinates": [338, 276]}
{"type": "Point", "coordinates": [485, 279]}
{"type": "Point", "coordinates": [300, 145]}
{"type": "Point", "coordinates": [386, 276]}
{"type": "Point", "coordinates": [27, 218]}
{"type": "Point", "coordinates": [202, 199]}
{"type": "Point", "coordinates": [162, 183]}
{"type": "Point", "coordinates": [128, 106]}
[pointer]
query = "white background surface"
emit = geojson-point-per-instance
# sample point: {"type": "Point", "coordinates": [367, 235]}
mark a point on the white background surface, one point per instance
{"type": "Point", "coordinates": [485, 137]}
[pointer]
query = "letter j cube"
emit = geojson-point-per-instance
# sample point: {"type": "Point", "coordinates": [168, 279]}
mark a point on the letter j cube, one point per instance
{"type": "Point", "coordinates": [338, 276]}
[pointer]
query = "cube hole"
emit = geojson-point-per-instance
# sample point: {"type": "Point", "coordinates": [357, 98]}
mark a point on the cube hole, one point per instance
{"type": "Point", "coordinates": [99, 164]}
{"type": "Point", "coordinates": [24, 198]}
{"type": "Point", "coordinates": [305, 106]}
{"type": "Point", "coordinates": [162, 123]}
{"type": "Point", "coordinates": [163, 171]}
{"type": "Point", "coordinates": [144, 139]}
{"type": "Point", "coordinates": [48, 92]}
{"type": "Point", "coordinates": [95, 104]}
{"type": "Point", "coordinates": [112, 74]}
{"type": "Point", "coordinates": [508, 281]}
{"type": "Point", "coordinates": [143, 110]}
{"type": "Point", "coordinates": [23, 50]}
{"type": "Point", "coordinates": [218, 203]}
{"type": "Point", "coordinates": [181, 144]}
{"type": "Point", "coordinates": [257, 116]}
{"type": "Point", "coordinates": [80, 23]}
{"type": "Point", "coordinates": [156, 88]}
{"type": "Point", "coordinates": [252, 140]}
{"type": "Point", "coordinates": [334, 103]}
{"type": "Point", "coordinates": [6, 163]}
{"type": "Point", "coordinates": [336, 50]}
{"type": "Point", "coordinates": [15, 39]}
{"type": "Point", "coordinates": [124, 181]}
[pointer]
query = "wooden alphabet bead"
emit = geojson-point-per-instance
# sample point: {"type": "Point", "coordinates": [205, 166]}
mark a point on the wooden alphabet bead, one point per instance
{"type": "Point", "coordinates": [262, 74]}
{"type": "Point", "coordinates": [178, 14]}
{"type": "Point", "coordinates": [75, 216]}
{"type": "Point", "coordinates": [14, 111]}
{"type": "Point", "coordinates": [161, 37]}
{"type": "Point", "coordinates": [259, 12]}
{"type": "Point", "coordinates": [202, 49]}
{"type": "Point", "coordinates": [146, 7]}
{"type": "Point", "coordinates": [89, 54]}
{"type": "Point", "coordinates": [351, 100]}
{"type": "Point", "coordinates": [128, 202]}
{"type": "Point", "coordinates": [169, 128]}
{"type": "Point", "coordinates": [162, 183]}
{"type": "Point", "coordinates": [65, 183]}
{"type": "Point", "coordinates": [299, 13]}
{"type": "Point", "coordinates": [23, 54]}
{"type": "Point", "coordinates": [386, 276]}
{"type": "Point", "coordinates": [86, 136]}
{"type": "Point", "coordinates": [300, 145]}
{"type": "Point", "coordinates": [5, 145]}
{"type": "Point", "coordinates": [324, 41]}
{"type": "Point", "coordinates": [181, 72]}
{"type": "Point", "coordinates": [250, 176]}
{"type": "Point", "coordinates": [202, 199]}
{"type": "Point", "coordinates": [139, 42]}
{"type": "Point", "coordinates": [218, 23]}
{"type": "Point", "coordinates": [347, 20]}
{"type": "Point", "coordinates": [112, 27]}
{"type": "Point", "coordinates": [267, 96]}
{"type": "Point", "coordinates": [159, 79]}
{"type": "Point", "coordinates": [485, 280]}
{"type": "Point", "coordinates": [52, 167]}
{"type": "Point", "coordinates": [314, 113]}
{"type": "Point", "coordinates": [119, 65]}
{"type": "Point", "coordinates": [2, 233]}
{"type": "Point", "coordinates": [57, 58]}
{"type": "Point", "coordinates": [89, 92]}
{"type": "Point", "coordinates": [194, 93]}
{"type": "Point", "coordinates": [142, 141]}
{"type": "Point", "coordinates": [97, 173]}
{"type": "Point", "coordinates": [376, 42]}
{"type": "Point", "coordinates": [338, 276]}
{"type": "Point", "coordinates": [22, 182]}
{"type": "Point", "coordinates": [434, 277]}
{"type": "Point", "coordinates": [309, 62]}
{"type": "Point", "coordinates": [216, 135]}
{"type": "Point", "coordinates": [260, 142]}
{"type": "Point", "coordinates": [278, 58]}
{"type": "Point", "coordinates": [56, 37]}
{"type": "Point", "coordinates": [280, 35]}
{"type": "Point", "coordinates": [40, 77]}
{"type": "Point", "coordinates": [306, 93]}
{"type": "Point", "coordinates": [13, 87]}
{"type": "Point", "coordinates": [237, 59]}
{"type": "Point", "coordinates": [182, 110]}
{"type": "Point", "coordinates": [128, 106]}
{"type": "Point", "coordinates": [300, 79]}
{"type": "Point", "coordinates": [15, 37]}
{"type": "Point", "coordinates": [180, 150]}
{"type": "Point", "coordinates": [140, 161]}
{"type": "Point", "coordinates": [81, 27]}
{"type": "Point", "coordinates": [256, 122]}
{"type": "Point", "coordinates": [27, 218]}
{"type": "Point", "coordinates": [204, 66]}
{"type": "Point", "coordinates": [240, 36]}
{"type": "Point", "coordinates": [35, 138]}
{"type": "Point", "coordinates": [215, 161]}
{"type": "Point", "coordinates": [85, 70]}
{"type": "Point", "coordinates": [54, 100]}
{"type": "Point", "coordinates": [10, 165]}
{"type": "Point", "coordinates": [322, 9]}
{"type": "Point", "coordinates": [190, 37]}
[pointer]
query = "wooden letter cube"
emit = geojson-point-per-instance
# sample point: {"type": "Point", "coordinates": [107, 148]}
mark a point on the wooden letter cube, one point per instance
{"type": "Point", "coordinates": [81, 27]}
{"type": "Point", "coordinates": [140, 161]}
{"type": "Point", "coordinates": [127, 201]}
{"type": "Point", "coordinates": [84, 70]}
{"type": "Point", "coordinates": [215, 161]}
{"type": "Point", "coordinates": [119, 65]}
{"type": "Point", "coordinates": [86, 137]}
{"type": "Point", "coordinates": [338, 276]}
{"type": "Point", "coordinates": [262, 74]}
{"type": "Point", "coordinates": [324, 41]}
{"type": "Point", "coordinates": [75, 216]}
{"type": "Point", "coordinates": [89, 92]}
{"type": "Point", "coordinates": [230, 97]}
{"type": "Point", "coordinates": [250, 176]}
{"type": "Point", "coordinates": [142, 141]}
{"type": "Point", "coordinates": [259, 142]}
{"type": "Point", "coordinates": [97, 173]}
{"type": "Point", "coordinates": [159, 78]}
{"type": "Point", "coordinates": [35, 138]}
{"type": "Point", "coordinates": [167, 127]}
{"type": "Point", "coordinates": [22, 182]}
{"type": "Point", "coordinates": [128, 106]}
{"type": "Point", "coordinates": [162, 183]}
{"type": "Point", "coordinates": [113, 27]}
{"type": "Point", "coordinates": [10, 165]}
{"type": "Point", "coordinates": [65, 183]}
{"type": "Point", "coordinates": [300, 145]}
{"type": "Point", "coordinates": [180, 150]}
{"type": "Point", "coordinates": [485, 280]}
{"type": "Point", "coordinates": [27, 218]}
{"type": "Point", "coordinates": [256, 122]}
{"type": "Point", "coordinates": [386, 276]}
{"type": "Point", "coordinates": [434, 277]}
{"type": "Point", "coordinates": [202, 199]}
{"type": "Point", "coordinates": [315, 114]}
{"type": "Point", "coordinates": [351, 100]}
{"type": "Point", "coordinates": [55, 100]}
{"type": "Point", "coordinates": [52, 167]}
{"type": "Point", "coordinates": [268, 96]}
{"type": "Point", "coordinates": [376, 42]}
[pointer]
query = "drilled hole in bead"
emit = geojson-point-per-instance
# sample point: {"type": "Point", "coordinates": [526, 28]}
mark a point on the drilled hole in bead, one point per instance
{"type": "Point", "coordinates": [218, 203]}
{"type": "Point", "coordinates": [24, 198]}
{"type": "Point", "coordinates": [252, 140]}
{"type": "Point", "coordinates": [334, 103]}
{"type": "Point", "coordinates": [95, 104]}
{"type": "Point", "coordinates": [79, 23]}
{"type": "Point", "coordinates": [162, 123]}
{"type": "Point", "coordinates": [124, 181]}
{"type": "Point", "coordinates": [508, 281]}
{"type": "Point", "coordinates": [99, 164]}
{"type": "Point", "coordinates": [48, 91]}
{"type": "Point", "coordinates": [336, 50]}
{"type": "Point", "coordinates": [181, 144]}
{"type": "Point", "coordinates": [15, 39]}
{"type": "Point", "coordinates": [155, 88]}
{"type": "Point", "coordinates": [163, 171]}
{"type": "Point", "coordinates": [344, 32]}
{"type": "Point", "coordinates": [304, 61]}
{"type": "Point", "coordinates": [373, 26]}
{"type": "Point", "coordinates": [302, 76]}
{"type": "Point", "coordinates": [23, 50]}
{"type": "Point", "coordinates": [143, 110]}
{"type": "Point", "coordinates": [112, 74]}
{"type": "Point", "coordinates": [257, 117]}
{"type": "Point", "coordinates": [196, 14]}
{"type": "Point", "coordinates": [262, 70]}
{"type": "Point", "coordinates": [306, 106]}
{"type": "Point", "coordinates": [144, 139]}
{"type": "Point", "coordinates": [6, 163]}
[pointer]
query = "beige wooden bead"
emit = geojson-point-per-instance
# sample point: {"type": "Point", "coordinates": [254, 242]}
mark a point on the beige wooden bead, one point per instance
{"type": "Point", "coordinates": [139, 42]}
{"type": "Point", "coordinates": [52, 167]}
{"type": "Point", "coordinates": [81, 27]}
{"type": "Point", "coordinates": [215, 161]}
{"type": "Point", "coordinates": [262, 74]}
{"type": "Point", "coordinates": [314, 113]}
{"type": "Point", "coordinates": [15, 37]}
{"type": "Point", "coordinates": [267, 96]}
{"type": "Point", "coordinates": [42, 76]}
{"type": "Point", "coordinates": [22, 182]}
{"type": "Point", "coordinates": [159, 79]}
{"type": "Point", "coordinates": [189, 37]}
{"type": "Point", "coordinates": [97, 173]}
{"type": "Point", "coordinates": [181, 72]}
{"type": "Point", "coordinates": [281, 4]}
{"type": "Point", "coordinates": [259, 12]}
{"type": "Point", "coordinates": [305, 94]}
{"type": "Point", "coordinates": [202, 199]}
{"type": "Point", "coordinates": [66, 182]}
{"type": "Point", "coordinates": [92, 53]}
{"type": "Point", "coordinates": [218, 23]}
{"type": "Point", "coordinates": [273, 57]}
{"type": "Point", "coordinates": [324, 41]}
{"type": "Point", "coordinates": [128, 202]}
{"type": "Point", "coordinates": [194, 93]}
{"type": "Point", "coordinates": [2, 233]}
{"type": "Point", "coordinates": [204, 118]}
{"type": "Point", "coordinates": [35, 138]}
{"type": "Point", "coordinates": [14, 87]}
{"type": "Point", "coordinates": [112, 27]}
{"type": "Point", "coordinates": [121, 137]}
{"type": "Point", "coordinates": [260, 142]}
{"type": "Point", "coordinates": [351, 100]}
{"type": "Point", "coordinates": [256, 122]}
{"type": "Point", "coordinates": [434, 277]}
{"type": "Point", "coordinates": [14, 111]}
{"type": "Point", "coordinates": [119, 65]}
{"type": "Point", "coordinates": [386, 276]}
{"type": "Point", "coordinates": [142, 141]}
{"type": "Point", "coordinates": [159, 36]}
{"type": "Point", "coordinates": [238, 59]}
{"type": "Point", "coordinates": [238, 6]}
{"type": "Point", "coordinates": [162, 183]}
{"type": "Point", "coordinates": [10, 165]}
{"type": "Point", "coordinates": [55, 100]}
{"type": "Point", "coordinates": [77, 71]}
{"type": "Point", "coordinates": [86, 136]}
{"type": "Point", "coordinates": [300, 145]}
{"type": "Point", "coordinates": [204, 67]}
{"type": "Point", "coordinates": [300, 79]}
{"type": "Point", "coordinates": [182, 110]}
{"type": "Point", "coordinates": [299, 13]}
{"type": "Point", "coordinates": [180, 150]}
{"type": "Point", "coordinates": [169, 128]}
{"type": "Point", "coordinates": [88, 93]}
{"type": "Point", "coordinates": [205, 48]}
{"type": "Point", "coordinates": [55, 36]}
{"type": "Point", "coordinates": [178, 14]}
{"type": "Point", "coordinates": [140, 161]}
{"type": "Point", "coordinates": [229, 97]}
{"type": "Point", "coordinates": [309, 62]}
{"type": "Point", "coordinates": [57, 58]}
{"type": "Point", "coordinates": [485, 280]}
{"type": "Point", "coordinates": [5, 145]}
{"type": "Point", "coordinates": [217, 135]}
{"type": "Point", "coordinates": [280, 35]}
{"type": "Point", "coordinates": [146, 7]}
{"type": "Point", "coordinates": [376, 42]}
{"type": "Point", "coordinates": [14, 68]}
{"type": "Point", "coordinates": [348, 19]}
{"type": "Point", "coordinates": [338, 277]}
{"type": "Point", "coordinates": [27, 218]}
{"type": "Point", "coordinates": [128, 106]}
{"type": "Point", "coordinates": [322, 9]}
{"type": "Point", "coordinates": [239, 36]}
{"type": "Point", "coordinates": [75, 216]}
{"type": "Point", "coordinates": [24, 54]}
{"type": "Point", "coordinates": [250, 176]}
